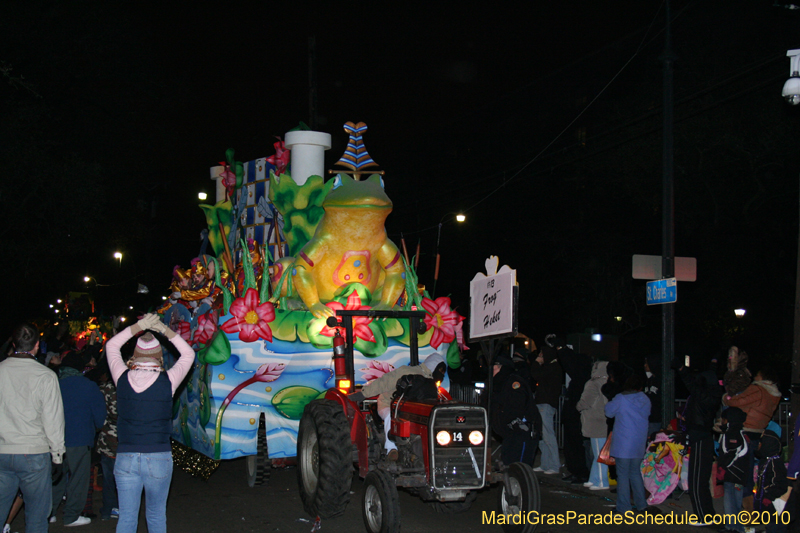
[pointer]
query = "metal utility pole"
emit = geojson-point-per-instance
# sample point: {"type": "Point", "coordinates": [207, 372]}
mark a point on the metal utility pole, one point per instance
{"type": "Point", "coordinates": [668, 231]}
{"type": "Point", "coordinates": [795, 402]}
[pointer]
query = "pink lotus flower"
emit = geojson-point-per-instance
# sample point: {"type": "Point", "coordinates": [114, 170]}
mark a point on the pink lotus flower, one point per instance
{"type": "Point", "coordinates": [206, 327]}
{"type": "Point", "coordinates": [228, 179]}
{"type": "Point", "coordinates": [281, 157]}
{"type": "Point", "coordinates": [376, 369]}
{"type": "Point", "coordinates": [442, 319]}
{"type": "Point", "coordinates": [360, 323]}
{"type": "Point", "coordinates": [250, 320]}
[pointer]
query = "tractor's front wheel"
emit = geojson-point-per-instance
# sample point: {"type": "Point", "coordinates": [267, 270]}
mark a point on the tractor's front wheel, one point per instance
{"type": "Point", "coordinates": [324, 459]}
{"type": "Point", "coordinates": [380, 506]}
{"type": "Point", "coordinates": [519, 495]}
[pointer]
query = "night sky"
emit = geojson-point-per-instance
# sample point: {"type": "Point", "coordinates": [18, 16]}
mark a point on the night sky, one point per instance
{"type": "Point", "coordinates": [541, 120]}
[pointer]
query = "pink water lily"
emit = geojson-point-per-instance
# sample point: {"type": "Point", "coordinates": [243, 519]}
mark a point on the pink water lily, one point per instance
{"type": "Point", "coordinates": [376, 369]}
{"type": "Point", "coordinates": [268, 372]}
{"type": "Point", "coordinates": [206, 327]}
{"type": "Point", "coordinates": [250, 320]}
{"type": "Point", "coordinates": [361, 328]}
{"type": "Point", "coordinates": [441, 319]}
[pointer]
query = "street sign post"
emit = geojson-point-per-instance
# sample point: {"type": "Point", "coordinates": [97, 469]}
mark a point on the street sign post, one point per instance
{"type": "Point", "coordinates": [662, 291]}
{"type": "Point", "coordinates": [649, 267]}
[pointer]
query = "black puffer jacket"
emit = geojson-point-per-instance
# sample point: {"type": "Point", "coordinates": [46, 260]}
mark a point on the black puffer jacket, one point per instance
{"type": "Point", "coordinates": [705, 398]}
{"type": "Point", "coordinates": [548, 377]}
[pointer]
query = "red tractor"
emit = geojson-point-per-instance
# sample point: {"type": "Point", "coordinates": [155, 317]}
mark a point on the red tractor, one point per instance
{"type": "Point", "coordinates": [444, 449]}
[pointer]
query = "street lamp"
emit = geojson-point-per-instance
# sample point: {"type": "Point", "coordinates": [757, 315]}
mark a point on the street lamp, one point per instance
{"type": "Point", "coordinates": [460, 217]}
{"type": "Point", "coordinates": [202, 195]}
{"type": "Point", "coordinates": [739, 312]}
{"type": "Point", "coordinates": [791, 89]}
{"type": "Point", "coordinates": [118, 255]}
{"type": "Point", "coordinates": [87, 279]}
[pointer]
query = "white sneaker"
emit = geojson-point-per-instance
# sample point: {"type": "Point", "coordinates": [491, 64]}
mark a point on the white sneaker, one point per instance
{"type": "Point", "coordinates": [588, 484]}
{"type": "Point", "coordinates": [7, 528]}
{"type": "Point", "coordinates": [81, 521]}
{"type": "Point", "coordinates": [597, 487]}
{"type": "Point", "coordinates": [53, 519]}
{"type": "Point", "coordinates": [538, 469]}
{"type": "Point", "coordinates": [551, 471]}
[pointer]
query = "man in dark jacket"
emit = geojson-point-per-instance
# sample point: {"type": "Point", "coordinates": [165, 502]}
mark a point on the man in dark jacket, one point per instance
{"type": "Point", "coordinates": [578, 367]}
{"type": "Point", "coordinates": [84, 415]}
{"type": "Point", "coordinates": [514, 414]}
{"type": "Point", "coordinates": [705, 397]}
{"type": "Point", "coordinates": [549, 376]}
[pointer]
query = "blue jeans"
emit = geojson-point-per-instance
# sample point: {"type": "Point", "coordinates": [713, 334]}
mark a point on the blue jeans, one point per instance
{"type": "Point", "coordinates": [110, 500]}
{"type": "Point", "coordinates": [599, 473]}
{"type": "Point", "coordinates": [151, 472]}
{"type": "Point", "coordinates": [733, 504]}
{"type": "Point", "coordinates": [629, 477]}
{"type": "Point", "coordinates": [32, 475]}
{"type": "Point", "coordinates": [549, 445]}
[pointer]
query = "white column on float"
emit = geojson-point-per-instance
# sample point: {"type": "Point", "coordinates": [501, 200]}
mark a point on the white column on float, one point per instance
{"type": "Point", "coordinates": [308, 153]}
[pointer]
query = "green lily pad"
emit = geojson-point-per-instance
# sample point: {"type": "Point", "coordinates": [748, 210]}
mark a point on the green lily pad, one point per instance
{"type": "Point", "coordinates": [392, 327]}
{"type": "Point", "coordinates": [217, 351]}
{"type": "Point", "coordinates": [291, 401]}
{"type": "Point", "coordinates": [453, 356]}
{"type": "Point", "coordinates": [290, 325]}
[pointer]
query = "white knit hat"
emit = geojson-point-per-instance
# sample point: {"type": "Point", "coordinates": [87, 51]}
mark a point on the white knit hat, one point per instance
{"type": "Point", "coordinates": [148, 350]}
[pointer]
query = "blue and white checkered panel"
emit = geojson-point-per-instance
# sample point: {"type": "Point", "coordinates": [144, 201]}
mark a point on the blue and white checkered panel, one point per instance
{"type": "Point", "coordinates": [256, 186]}
{"type": "Point", "coordinates": [250, 189]}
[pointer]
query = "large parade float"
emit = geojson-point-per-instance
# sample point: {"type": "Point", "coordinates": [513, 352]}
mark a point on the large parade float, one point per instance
{"type": "Point", "coordinates": [285, 249]}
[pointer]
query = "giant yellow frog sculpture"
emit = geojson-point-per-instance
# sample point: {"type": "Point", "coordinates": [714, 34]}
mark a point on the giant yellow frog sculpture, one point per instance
{"type": "Point", "coordinates": [350, 245]}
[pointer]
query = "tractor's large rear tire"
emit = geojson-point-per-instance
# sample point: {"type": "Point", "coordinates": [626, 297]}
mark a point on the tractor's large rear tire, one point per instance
{"type": "Point", "coordinates": [324, 459]}
{"type": "Point", "coordinates": [521, 496]}
{"type": "Point", "coordinates": [259, 465]}
{"type": "Point", "coordinates": [380, 506]}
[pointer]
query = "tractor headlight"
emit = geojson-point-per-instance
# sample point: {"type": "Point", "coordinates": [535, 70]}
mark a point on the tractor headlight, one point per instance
{"type": "Point", "coordinates": [476, 437]}
{"type": "Point", "coordinates": [443, 438]}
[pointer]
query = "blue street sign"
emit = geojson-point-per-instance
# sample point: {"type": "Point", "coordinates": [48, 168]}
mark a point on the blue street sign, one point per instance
{"type": "Point", "coordinates": [662, 291]}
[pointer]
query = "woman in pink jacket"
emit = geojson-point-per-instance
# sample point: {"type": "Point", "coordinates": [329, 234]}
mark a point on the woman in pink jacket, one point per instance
{"type": "Point", "coordinates": [144, 421]}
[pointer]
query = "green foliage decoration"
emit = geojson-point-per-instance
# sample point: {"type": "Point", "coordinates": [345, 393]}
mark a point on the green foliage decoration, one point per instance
{"type": "Point", "coordinates": [300, 205]}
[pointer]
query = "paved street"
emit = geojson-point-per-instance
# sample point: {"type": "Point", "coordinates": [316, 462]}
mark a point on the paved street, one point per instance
{"type": "Point", "coordinates": [226, 504]}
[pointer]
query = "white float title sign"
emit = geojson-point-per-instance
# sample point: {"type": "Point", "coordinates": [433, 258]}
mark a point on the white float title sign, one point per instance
{"type": "Point", "coordinates": [492, 309]}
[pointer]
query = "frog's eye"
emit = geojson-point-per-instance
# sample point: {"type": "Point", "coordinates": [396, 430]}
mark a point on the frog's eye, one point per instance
{"type": "Point", "coordinates": [383, 185]}
{"type": "Point", "coordinates": [337, 181]}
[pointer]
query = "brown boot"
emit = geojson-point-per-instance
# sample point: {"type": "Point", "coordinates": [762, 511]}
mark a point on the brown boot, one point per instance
{"type": "Point", "coordinates": [392, 455]}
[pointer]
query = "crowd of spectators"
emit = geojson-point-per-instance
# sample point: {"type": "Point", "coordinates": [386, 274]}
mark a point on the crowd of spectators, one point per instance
{"type": "Point", "coordinates": [608, 407]}
{"type": "Point", "coordinates": [76, 415]}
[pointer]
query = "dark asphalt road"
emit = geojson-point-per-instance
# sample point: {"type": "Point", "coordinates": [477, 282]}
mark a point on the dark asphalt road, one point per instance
{"type": "Point", "coordinates": [225, 503]}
